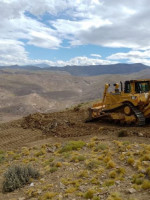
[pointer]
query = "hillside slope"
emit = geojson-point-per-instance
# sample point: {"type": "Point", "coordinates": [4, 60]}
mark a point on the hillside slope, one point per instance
{"type": "Point", "coordinates": [23, 91]}
{"type": "Point", "coordinates": [91, 163]}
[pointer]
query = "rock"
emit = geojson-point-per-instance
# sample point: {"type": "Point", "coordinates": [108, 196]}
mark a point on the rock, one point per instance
{"type": "Point", "coordinates": [143, 171]}
{"type": "Point", "coordinates": [60, 196]}
{"type": "Point", "coordinates": [51, 149]}
{"type": "Point", "coordinates": [140, 134]}
{"type": "Point", "coordinates": [81, 188]}
{"type": "Point", "coordinates": [84, 148]}
{"type": "Point", "coordinates": [39, 191]}
{"type": "Point", "coordinates": [31, 184]}
{"type": "Point", "coordinates": [21, 198]}
{"type": "Point", "coordinates": [146, 163]}
{"type": "Point", "coordinates": [62, 186]}
{"type": "Point", "coordinates": [118, 182]}
{"type": "Point", "coordinates": [131, 190]}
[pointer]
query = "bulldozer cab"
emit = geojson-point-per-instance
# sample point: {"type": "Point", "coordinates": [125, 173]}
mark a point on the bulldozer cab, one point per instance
{"type": "Point", "coordinates": [134, 86]}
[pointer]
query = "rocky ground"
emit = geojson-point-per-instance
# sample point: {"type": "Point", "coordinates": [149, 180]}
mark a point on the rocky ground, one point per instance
{"type": "Point", "coordinates": [76, 160]}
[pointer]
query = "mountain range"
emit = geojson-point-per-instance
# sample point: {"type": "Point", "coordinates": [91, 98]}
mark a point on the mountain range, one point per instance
{"type": "Point", "coordinates": [91, 70]}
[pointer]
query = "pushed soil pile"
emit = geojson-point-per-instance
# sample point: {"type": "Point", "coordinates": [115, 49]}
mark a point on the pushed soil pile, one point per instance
{"type": "Point", "coordinates": [69, 123]}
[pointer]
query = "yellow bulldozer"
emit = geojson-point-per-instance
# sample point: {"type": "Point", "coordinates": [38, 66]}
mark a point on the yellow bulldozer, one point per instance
{"type": "Point", "coordinates": [129, 103]}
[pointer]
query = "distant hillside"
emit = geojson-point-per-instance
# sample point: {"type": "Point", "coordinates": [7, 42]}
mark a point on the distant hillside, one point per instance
{"type": "Point", "coordinates": [28, 91]}
{"type": "Point", "coordinates": [95, 70]}
{"type": "Point", "coordinates": [92, 70]}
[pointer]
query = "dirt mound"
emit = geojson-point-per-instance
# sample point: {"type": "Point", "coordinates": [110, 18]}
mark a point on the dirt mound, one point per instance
{"type": "Point", "coordinates": [69, 123]}
{"type": "Point", "coordinates": [63, 124]}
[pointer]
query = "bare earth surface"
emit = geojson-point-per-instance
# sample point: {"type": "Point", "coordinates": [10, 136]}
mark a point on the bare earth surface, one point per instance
{"type": "Point", "coordinates": [105, 166]}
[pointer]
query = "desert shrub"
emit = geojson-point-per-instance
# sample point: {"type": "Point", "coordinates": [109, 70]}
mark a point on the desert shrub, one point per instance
{"type": "Point", "coordinates": [77, 158]}
{"type": "Point", "coordinates": [138, 178]}
{"type": "Point", "coordinates": [70, 190]}
{"type": "Point", "coordinates": [109, 182]}
{"type": "Point", "coordinates": [72, 145]}
{"type": "Point", "coordinates": [48, 161]}
{"type": "Point", "coordinates": [146, 157]}
{"type": "Point", "coordinates": [101, 146]}
{"type": "Point", "coordinates": [1, 152]}
{"type": "Point", "coordinates": [114, 196]}
{"type": "Point", "coordinates": [53, 169]}
{"type": "Point", "coordinates": [111, 164]}
{"type": "Point", "coordinates": [2, 157]}
{"type": "Point", "coordinates": [146, 184]}
{"type": "Point", "coordinates": [113, 174]}
{"type": "Point", "coordinates": [92, 164]}
{"type": "Point", "coordinates": [89, 194]}
{"type": "Point", "coordinates": [40, 153]}
{"type": "Point", "coordinates": [130, 160]}
{"type": "Point", "coordinates": [148, 172]}
{"type": "Point", "coordinates": [48, 195]}
{"type": "Point", "coordinates": [83, 174]}
{"type": "Point", "coordinates": [18, 176]}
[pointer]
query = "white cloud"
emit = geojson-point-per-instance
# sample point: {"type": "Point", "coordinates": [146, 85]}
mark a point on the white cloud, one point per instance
{"type": "Point", "coordinates": [16, 25]}
{"type": "Point", "coordinates": [130, 54]}
{"type": "Point", "coordinates": [12, 52]}
{"type": "Point", "coordinates": [96, 55]}
{"type": "Point", "coordinates": [133, 56]}
{"type": "Point", "coordinates": [110, 23]}
{"type": "Point", "coordinates": [80, 61]}
{"type": "Point", "coordinates": [43, 39]}
{"type": "Point", "coordinates": [17, 55]}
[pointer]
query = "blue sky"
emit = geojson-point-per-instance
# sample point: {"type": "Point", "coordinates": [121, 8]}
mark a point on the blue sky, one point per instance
{"type": "Point", "coordinates": [80, 32]}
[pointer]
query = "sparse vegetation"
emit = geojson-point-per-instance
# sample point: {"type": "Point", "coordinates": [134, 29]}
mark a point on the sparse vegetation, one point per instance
{"type": "Point", "coordinates": [53, 169]}
{"type": "Point", "coordinates": [92, 164]}
{"type": "Point", "coordinates": [72, 145]}
{"type": "Point", "coordinates": [2, 157]}
{"type": "Point", "coordinates": [146, 184]}
{"type": "Point", "coordinates": [90, 169]}
{"type": "Point", "coordinates": [89, 194]}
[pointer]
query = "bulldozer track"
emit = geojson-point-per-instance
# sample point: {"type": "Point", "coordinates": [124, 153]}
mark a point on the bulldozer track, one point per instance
{"type": "Point", "coordinates": [139, 115]}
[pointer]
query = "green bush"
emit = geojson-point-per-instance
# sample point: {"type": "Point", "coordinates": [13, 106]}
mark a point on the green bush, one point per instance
{"type": "Point", "coordinates": [72, 145]}
{"type": "Point", "coordinates": [18, 176]}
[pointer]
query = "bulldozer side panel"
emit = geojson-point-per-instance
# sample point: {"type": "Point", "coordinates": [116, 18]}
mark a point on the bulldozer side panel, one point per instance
{"type": "Point", "coordinates": [114, 100]}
